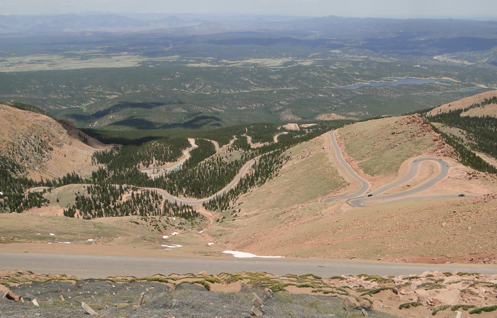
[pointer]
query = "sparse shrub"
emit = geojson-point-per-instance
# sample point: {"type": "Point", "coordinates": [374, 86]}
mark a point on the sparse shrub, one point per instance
{"type": "Point", "coordinates": [310, 275]}
{"type": "Point", "coordinates": [467, 274]}
{"type": "Point", "coordinates": [377, 290]}
{"type": "Point", "coordinates": [440, 308]}
{"type": "Point", "coordinates": [305, 286]}
{"type": "Point", "coordinates": [463, 307]}
{"type": "Point", "coordinates": [409, 305]}
{"type": "Point", "coordinates": [414, 277]}
{"type": "Point", "coordinates": [212, 280]}
{"type": "Point", "coordinates": [430, 286]}
{"type": "Point", "coordinates": [483, 309]}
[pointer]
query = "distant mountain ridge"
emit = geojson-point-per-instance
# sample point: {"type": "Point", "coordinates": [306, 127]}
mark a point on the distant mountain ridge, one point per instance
{"type": "Point", "coordinates": [332, 26]}
{"type": "Point", "coordinates": [82, 23]}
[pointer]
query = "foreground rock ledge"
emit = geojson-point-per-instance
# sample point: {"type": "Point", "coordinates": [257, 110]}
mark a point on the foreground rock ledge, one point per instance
{"type": "Point", "coordinates": [201, 295]}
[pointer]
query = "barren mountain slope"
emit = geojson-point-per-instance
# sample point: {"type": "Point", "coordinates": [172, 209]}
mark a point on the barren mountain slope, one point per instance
{"type": "Point", "coordinates": [47, 148]}
{"type": "Point", "coordinates": [282, 218]}
{"type": "Point", "coordinates": [488, 110]}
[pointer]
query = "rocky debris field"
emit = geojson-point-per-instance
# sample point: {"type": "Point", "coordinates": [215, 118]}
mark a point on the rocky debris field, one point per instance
{"type": "Point", "coordinates": [153, 299]}
{"type": "Point", "coordinates": [249, 294]}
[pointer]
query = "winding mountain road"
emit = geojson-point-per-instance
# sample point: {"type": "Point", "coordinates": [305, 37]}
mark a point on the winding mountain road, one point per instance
{"type": "Point", "coordinates": [160, 171]}
{"type": "Point", "coordinates": [358, 199]}
{"type": "Point", "coordinates": [365, 185]}
{"type": "Point", "coordinates": [192, 201]}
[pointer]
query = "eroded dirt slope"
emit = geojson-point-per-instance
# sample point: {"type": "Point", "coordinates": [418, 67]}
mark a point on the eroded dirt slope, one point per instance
{"type": "Point", "coordinates": [46, 147]}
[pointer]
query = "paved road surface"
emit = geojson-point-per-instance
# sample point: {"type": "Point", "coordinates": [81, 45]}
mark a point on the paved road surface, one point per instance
{"type": "Point", "coordinates": [364, 183]}
{"type": "Point", "coordinates": [358, 199]}
{"type": "Point", "coordinates": [90, 266]}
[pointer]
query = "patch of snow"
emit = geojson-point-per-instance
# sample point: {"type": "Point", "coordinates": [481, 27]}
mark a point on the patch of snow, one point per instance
{"type": "Point", "coordinates": [90, 240]}
{"type": "Point", "coordinates": [51, 234]}
{"type": "Point", "coordinates": [165, 237]}
{"type": "Point", "coordinates": [64, 242]}
{"type": "Point", "coordinates": [170, 247]}
{"type": "Point", "coordinates": [248, 255]}
{"type": "Point", "coordinates": [201, 232]}
{"type": "Point", "coordinates": [175, 233]}
{"type": "Point", "coordinates": [210, 244]}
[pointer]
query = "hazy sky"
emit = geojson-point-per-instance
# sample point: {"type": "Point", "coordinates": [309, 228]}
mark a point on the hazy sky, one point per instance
{"type": "Point", "coordinates": [477, 9]}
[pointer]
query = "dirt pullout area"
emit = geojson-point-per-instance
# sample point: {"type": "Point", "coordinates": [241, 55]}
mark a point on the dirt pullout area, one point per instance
{"type": "Point", "coordinates": [234, 295]}
{"type": "Point", "coordinates": [463, 103]}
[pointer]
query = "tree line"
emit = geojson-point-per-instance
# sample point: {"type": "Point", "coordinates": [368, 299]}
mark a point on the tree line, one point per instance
{"type": "Point", "coordinates": [466, 156]}
{"type": "Point", "coordinates": [115, 201]}
{"type": "Point", "coordinates": [156, 153]}
{"type": "Point", "coordinates": [13, 185]}
{"type": "Point", "coordinates": [481, 132]}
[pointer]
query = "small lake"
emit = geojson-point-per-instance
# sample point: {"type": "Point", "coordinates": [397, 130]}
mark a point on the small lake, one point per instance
{"type": "Point", "coordinates": [397, 82]}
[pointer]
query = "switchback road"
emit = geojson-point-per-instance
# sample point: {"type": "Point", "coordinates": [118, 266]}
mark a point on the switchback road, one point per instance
{"type": "Point", "coordinates": [192, 201]}
{"type": "Point", "coordinates": [358, 199]}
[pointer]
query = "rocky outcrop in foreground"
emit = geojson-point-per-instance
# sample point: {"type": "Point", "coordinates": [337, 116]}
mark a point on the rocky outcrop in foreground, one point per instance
{"type": "Point", "coordinates": [441, 294]}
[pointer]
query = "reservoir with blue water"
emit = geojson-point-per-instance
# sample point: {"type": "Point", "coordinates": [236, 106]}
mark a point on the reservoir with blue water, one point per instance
{"type": "Point", "coordinates": [397, 82]}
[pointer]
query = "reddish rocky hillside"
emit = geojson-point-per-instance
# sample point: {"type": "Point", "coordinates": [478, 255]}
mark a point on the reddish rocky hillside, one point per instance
{"type": "Point", "coordinates": [44, 146]}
